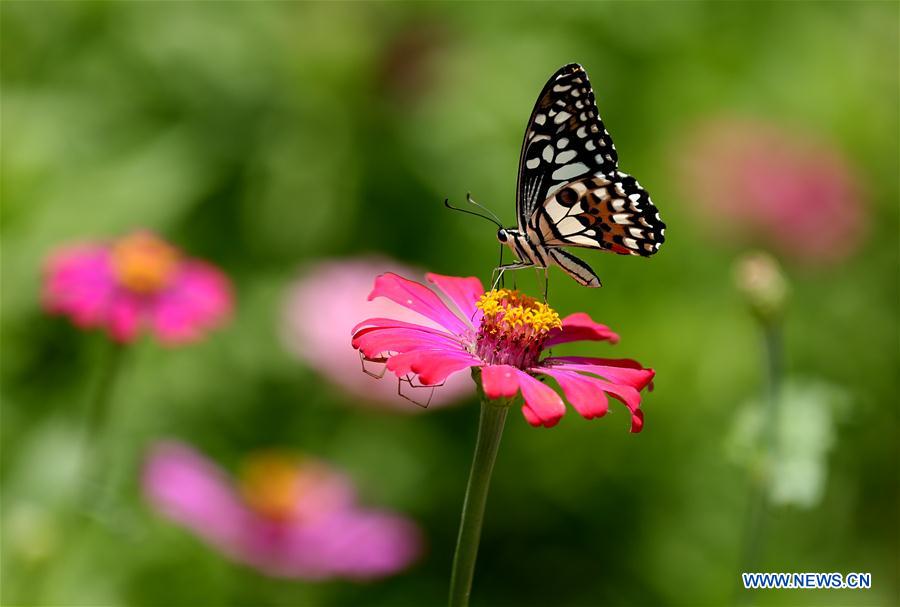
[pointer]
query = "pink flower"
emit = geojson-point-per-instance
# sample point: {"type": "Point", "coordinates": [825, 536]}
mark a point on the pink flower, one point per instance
{"type": "Point", "coordinates": [755, 182]}
{"type": "Point", "coordinates": [135, 283]}
{"type": "Point", "coordinates": [322, 343]}
{"type": "Point", "coordinates": [287, 517]}
{"type": "Point", "coordinates": [503, 333]}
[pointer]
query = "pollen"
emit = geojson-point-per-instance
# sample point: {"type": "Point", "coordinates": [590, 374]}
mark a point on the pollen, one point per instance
{"type": "Point", "coordinates": [514, 328]}
{"type": "Point", "coordinates": [513, 310]}
{"type": "Point", "coordinates": [144, 263]}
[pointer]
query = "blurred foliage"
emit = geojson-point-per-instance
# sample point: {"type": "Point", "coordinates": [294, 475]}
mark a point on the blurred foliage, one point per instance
{"type": "Point", "coordinates": [265, 135]}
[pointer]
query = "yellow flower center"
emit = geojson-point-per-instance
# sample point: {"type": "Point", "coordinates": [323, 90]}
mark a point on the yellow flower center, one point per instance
{"type": "Point", "coordinates": [514, 328]}
{"type": "Point", "coordinates": [144, 263]}
{"type": "Point", "coordinates": [512, 309]}
{"type": "Point", "coordinates": [270, 483]}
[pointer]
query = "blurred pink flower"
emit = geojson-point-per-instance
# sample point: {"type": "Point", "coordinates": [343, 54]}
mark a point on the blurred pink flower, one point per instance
{"type": "Point", "coordinates": [134, 283]}
{"type": "Point", "coordinates": [503, 334]}
{"type": "Point", "coordinates": [753, 181]}
{"type": "Point", "coordinates": [320, 310]}
{"type": "Point", "coordinates": [286, 516]}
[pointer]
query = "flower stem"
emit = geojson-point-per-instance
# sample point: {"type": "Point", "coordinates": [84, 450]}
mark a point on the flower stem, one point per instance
{"type": "Point", "coordinates": [100, 403]}
{"type": "Point", "coordinates": [755, 526]}
{"type": "Point", "coordinates": [97, 418]}
{"type": "Point", "coordinates": [490, 430]}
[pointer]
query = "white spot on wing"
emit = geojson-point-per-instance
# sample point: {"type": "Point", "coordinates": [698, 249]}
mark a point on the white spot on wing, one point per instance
{"type": "Point", "coordinates": [563, 142]}
{"type": "Point", "coordinates": [569, 171]}
{"type": "Point", "coordinates": [582, 239]}
{"type": "Point", "coordinates": [561, 117]}
{"type": "Point", "coordinates": [548, 153]}
{"type": "Point", "coordinates": [533, 163]}
{"type": "Point", "coordinates": [564, 157]}
{"type": "Point", "coordinates": [540, 119]}
{"type": "Point", "coordinates": [622, 218]}
{"type": "Point", "coordinates": [569, 225]}
{"type": "Point", "coordinates": [556, 211]}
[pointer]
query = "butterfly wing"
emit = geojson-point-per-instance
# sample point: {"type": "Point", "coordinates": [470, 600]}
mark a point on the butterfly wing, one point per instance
{"type": "Point", "coordinates": [611, 212]}
{"type": "Point", "coordinates": [565, 139]}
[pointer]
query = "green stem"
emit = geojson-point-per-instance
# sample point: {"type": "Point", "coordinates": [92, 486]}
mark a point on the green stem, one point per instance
{"type": "Point", "coordinates": [757, 511]}
{"type": "Point", "coordinates": [97, 418]}
{"type": "Point", "coordinates": [100, 403]}
{"type": "Point", "coordinates": [490, 430]}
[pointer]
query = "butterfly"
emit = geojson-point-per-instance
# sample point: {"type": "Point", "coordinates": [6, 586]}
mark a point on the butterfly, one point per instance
{"type": "Point", "coordinates": [570, 191]}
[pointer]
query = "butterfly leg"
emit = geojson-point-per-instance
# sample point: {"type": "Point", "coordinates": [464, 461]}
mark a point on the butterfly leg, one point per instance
{"type": "Point", "coordinates": [574, 267]}
{"type": "Point", "coordinates": [501, 269]}
{"type": "Point", "coordinates": [546, 284]}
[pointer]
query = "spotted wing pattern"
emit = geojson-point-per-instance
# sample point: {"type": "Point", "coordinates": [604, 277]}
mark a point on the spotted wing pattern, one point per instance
{"type": "Point", "coordinates": [611, 212]}
{"type": "Point", "coordinates": [565, 140]}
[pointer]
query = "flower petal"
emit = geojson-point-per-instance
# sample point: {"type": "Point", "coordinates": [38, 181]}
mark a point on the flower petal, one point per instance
{"type": "Point", "coordinates": [124, 320]}
{"type": "Point", "coordinates": [375, 341]}
{"type": "Point", "coordinates": [199, 299]}
{"type": "Point", "coordinates": [619, 370]}
{"type": "Point", "coordinates": [352, 543]}
{"type": "Point", "coordinates": [637, 421]}
{"type": "Point", "coordinates": [417, 298]}
{"type": "Point", "coordinates": [587, 398]}
{"type": "Point", "coordinates": [463, 292]}
{"type": "Point", "coordinates": [79, 284]}
{"type": "Point", "coordinates": [543, 406]}
{"type": "Point", "coordinates": [187, 488]}
{"type": "Point", "coordinates": [625, 393]}
{"type": "Point", "coordinates": [391, 323]}
{"type": "Point", "coordinates": [431, 366]}
{"type": "Point", "coordinates": [499, 381]}
{"type": "Point", "coordinates": [580, 327]}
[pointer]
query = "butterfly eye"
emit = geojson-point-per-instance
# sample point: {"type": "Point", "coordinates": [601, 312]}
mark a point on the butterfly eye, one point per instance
{"type": "Point", "coordinates": [502, 236]}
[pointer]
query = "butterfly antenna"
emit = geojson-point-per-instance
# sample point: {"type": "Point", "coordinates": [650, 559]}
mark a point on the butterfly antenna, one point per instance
{"type": "Point", "coordinates": [484, 208]}
{"type": "Point", "coordinates": [453, 208]}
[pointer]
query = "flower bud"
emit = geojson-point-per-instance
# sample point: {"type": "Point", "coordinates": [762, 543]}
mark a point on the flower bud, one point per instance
{"type": "Point", "coordinates": [759, 278]}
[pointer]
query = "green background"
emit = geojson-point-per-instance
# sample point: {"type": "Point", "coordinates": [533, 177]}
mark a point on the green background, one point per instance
{"type": "Point", "coordinates": [263, 136]}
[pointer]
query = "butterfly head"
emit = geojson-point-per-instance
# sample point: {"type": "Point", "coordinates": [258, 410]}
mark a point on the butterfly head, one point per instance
{"type": "Point", "coordinates": [505, 236]}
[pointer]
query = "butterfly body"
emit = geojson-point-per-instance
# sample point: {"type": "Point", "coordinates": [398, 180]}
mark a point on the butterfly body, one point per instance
{"type": "Point", "coordinates": [530, 254]}
{"type": "Point", "coordinates": [570, 191]}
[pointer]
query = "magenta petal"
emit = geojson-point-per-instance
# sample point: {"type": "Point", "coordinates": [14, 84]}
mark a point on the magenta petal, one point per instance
{"type": "Point", "coordinates": [391, 323]}
{"type": "Point", "coordinates": [199, 299]}
{"type": "Point", "coordinates": [637, 421]}
{"type": "Point", "coordinates": [125, 313]}
{"type": "Point", "coordinates": [622, 371]}
{"type": "Point", "coordinates": [192, 491]}
{"type": "Point", "coordinates": [417, 298]}
{"type": "Point", "coordinates": [499, 381]}
{"type": "Point", "coordinates": [580, 327]}
{"type": "Point", "coordinates": [374, 342]}
{"type": "Point", "coordinates": [463, 292]}
{"type": "Point", "coordinates": [349, 543]}
{"type": "Point", "coordinates": [544, 404]}
{"type": "Point", "coordinates": [530, 416]}
{"type": "Point", "coordinates": [431, 366]}
{"type": "Point", "coordinates": [587, 397]}
{"type": "Point", "coordinates": [79, 284]}
{"type": "Point", "coordinates": [627, 394]}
